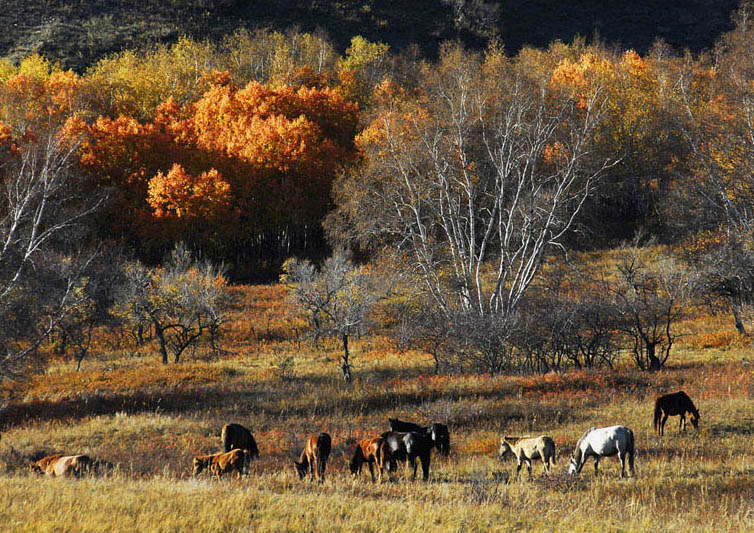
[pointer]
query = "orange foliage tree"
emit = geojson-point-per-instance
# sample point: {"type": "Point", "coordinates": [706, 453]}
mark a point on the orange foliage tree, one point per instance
{"type": "Point", "coordinates": [242, 173]}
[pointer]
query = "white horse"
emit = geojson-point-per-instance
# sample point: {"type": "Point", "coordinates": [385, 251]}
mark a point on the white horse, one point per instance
{"type": "Point", "coordinates": [604, 442]}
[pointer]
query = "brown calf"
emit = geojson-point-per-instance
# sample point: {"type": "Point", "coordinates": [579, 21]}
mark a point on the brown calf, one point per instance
{"type": "Point", "coordinates": [221, 463]}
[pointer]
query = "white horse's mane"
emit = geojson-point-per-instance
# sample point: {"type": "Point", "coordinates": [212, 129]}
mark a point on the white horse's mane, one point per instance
{"type": "Point", "coordinates": [577, 452]}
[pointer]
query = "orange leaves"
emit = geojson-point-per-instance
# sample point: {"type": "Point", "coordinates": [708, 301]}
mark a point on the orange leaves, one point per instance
{"type": "Point", "coordinates": [556, 154]}
{"type": "Point", "coordinates": [180, 194]}
{"type": "Point", "coordinates": [264, 157]}
{"type": "Point", "coordinates": [26, 100]}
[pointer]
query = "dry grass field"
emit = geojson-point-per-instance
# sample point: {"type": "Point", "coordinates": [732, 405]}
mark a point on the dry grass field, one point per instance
{"type": "Point", "coordinates": [150, 420]}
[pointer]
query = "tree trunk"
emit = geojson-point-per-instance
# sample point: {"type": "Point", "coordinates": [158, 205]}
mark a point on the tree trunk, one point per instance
{"type": "Point", "coordinates": [737, 319]}
{"type": "Point", "coordinates": [61, 343]}
{"type": "Point", "coordinates": [346, 366]}
{"type": "Point", "coordinates": [163, 343]}
{"type": "Point", "coordinates": [652, 359]}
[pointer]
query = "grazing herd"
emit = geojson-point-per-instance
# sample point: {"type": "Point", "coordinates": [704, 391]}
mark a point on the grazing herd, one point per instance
{"type": "Point", "coordinates": [406, 442]}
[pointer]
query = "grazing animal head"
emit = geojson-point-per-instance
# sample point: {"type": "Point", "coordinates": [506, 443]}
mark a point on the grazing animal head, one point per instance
{"type": "Point", "coordinates": [199, 465]}
{"type": "Point", "coordinates": [695, 420]}
{"type": "Point", "coordinates": [300, 468]}
{"type": "Point", "coordinates": [353, 465]}
{"type": "Point", "coordinates": [253, 450]}
{"type": "Point", "coordinates": [573, 467]}
{"type": "Point", "coordinates": [505, 448]}
{"type": "Point", "coordinates": [441, 437]}
{"type": "Point", "coordinates": [36, 469]}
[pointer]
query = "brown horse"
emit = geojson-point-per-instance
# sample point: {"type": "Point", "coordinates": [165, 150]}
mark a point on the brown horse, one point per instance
{"type": "Point", "coordinates": [372, 451]}
{"type": "Point", "coordinates": [316, 450]}
{"type": "Point", "coordinates": [221, 463]}
{"type": "Point", "coordinates": [63, 465]}
{"type": "Point", "coordinates": [677, 403]}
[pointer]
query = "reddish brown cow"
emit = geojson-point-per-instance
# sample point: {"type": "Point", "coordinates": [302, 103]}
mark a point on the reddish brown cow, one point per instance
{"type": "Point", "coordinates": [221, 463]}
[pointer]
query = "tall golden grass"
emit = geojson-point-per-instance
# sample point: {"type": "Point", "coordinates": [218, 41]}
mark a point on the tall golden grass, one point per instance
{"type": "Point", "coordinates": [148, 419]}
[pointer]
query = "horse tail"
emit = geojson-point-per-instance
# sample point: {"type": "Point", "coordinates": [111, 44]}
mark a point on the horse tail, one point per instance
{"type": "Point", "coordinates": [324, 443]}
{"type": "Point", "coordinates": [631, 452]}
{"type": "Point", "coordinates": [630, 444]}
{"type": "Point", "coordinates": [658, 415]}
{"type": "Point", "coordinates": [554, 451]}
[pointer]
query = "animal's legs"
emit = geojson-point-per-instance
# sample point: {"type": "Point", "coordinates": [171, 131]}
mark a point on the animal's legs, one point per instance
{"type": "Point", "coordinates": [631, 463]}
{"type": "Point", "coordinates": [412, 462]}
{"type": "Point", "coordinates": [546, 463]}
{"type": "Point", "coordinates": [311, 468]}
{"type": "Point", "coordinates": [371, 471]}
{"type": "Point", "coordinates": [596, 464]}
{"type": "Point", "coordinates": [425, 466]}
{"type": "Point", "coordinates": [528, 464]}
{"type": "Point", "coordinates": [682, 424]}
{"type": "Point", "coordinates": [622, 457]}
{"type": "Point", "coordinates": [518, 468]}
{"type": "Point", "coordinates": [662, 424]}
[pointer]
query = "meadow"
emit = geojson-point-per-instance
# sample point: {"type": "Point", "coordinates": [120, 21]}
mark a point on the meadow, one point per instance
{"type": "Point", "coordinates": [151, 419]}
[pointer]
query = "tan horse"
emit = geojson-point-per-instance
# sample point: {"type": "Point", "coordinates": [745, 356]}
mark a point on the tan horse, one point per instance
{"type": "Point", "coordinates": [373, 452]}
{"type": "Point", "coordinates": [524, 449]}
{"type": "Point", "coordinates": [59, 465]}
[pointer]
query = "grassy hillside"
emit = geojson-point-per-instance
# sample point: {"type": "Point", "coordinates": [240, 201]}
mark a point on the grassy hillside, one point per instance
{"type": "Point", "coordinates": [150, 420]}
{"type": "Point", "coordinates": [78, 32]}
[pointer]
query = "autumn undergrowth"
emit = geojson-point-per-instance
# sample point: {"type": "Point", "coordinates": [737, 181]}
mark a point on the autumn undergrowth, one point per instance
{"type": "Point", "coordinates": [149, 420]}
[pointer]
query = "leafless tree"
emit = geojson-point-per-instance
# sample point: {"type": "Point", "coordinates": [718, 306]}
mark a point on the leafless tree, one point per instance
{"type": "Point", "coordinates": [476, 182]}
{"type": "Point", "coordinates": [182, 301]}
{"type": "Point", "coordinates": [650, 300]}
{"type": "Point", "coordinates": [42, 204]}
{"type": "Point", "coordinates": [337, 297]}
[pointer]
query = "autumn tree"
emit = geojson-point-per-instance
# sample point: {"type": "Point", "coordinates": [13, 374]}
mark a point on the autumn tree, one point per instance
{"type": "Point", "coordinates": [43, 207]}
{"type": "Point", "coordinates": [715, 206]}
{"type": "Point", "coordinates": [637, 127]}
{"type": "Point", "coordinates": [243, 174]}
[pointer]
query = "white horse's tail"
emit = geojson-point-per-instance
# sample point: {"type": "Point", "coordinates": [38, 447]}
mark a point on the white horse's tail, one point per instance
{"type": "Point", "coordinates": [630, 445]}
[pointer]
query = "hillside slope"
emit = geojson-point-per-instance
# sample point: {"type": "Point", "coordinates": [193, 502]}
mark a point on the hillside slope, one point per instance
{"type": "Point", "coordinates": [78, 32]}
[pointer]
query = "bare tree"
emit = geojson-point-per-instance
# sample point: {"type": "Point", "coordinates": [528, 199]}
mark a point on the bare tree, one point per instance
{"type": "Point", "coordinates": [182, 301]}
{"type": "Point", "coordinates": [338, 298]}
{"type": "Point", "coordinates": [476, 182]}
{"type": "Point", "coordinates": [650, 301]}
{"type": "Point", "coordinates": [41, 205]}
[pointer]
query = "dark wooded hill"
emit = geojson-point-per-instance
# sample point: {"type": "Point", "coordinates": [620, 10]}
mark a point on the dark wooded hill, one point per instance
{"type": "Point", "coordinates": [78, 32]}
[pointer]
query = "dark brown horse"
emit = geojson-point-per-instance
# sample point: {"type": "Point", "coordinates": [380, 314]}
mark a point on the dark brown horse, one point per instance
{"type": "Point", "coordinates": [235, 436]}
{"type": "Point", "coordinates": [677, 403]}
{"type": "Point", "coordinates": [316, 451]}
{"type": "Point", "coordinates": [372, 451]}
